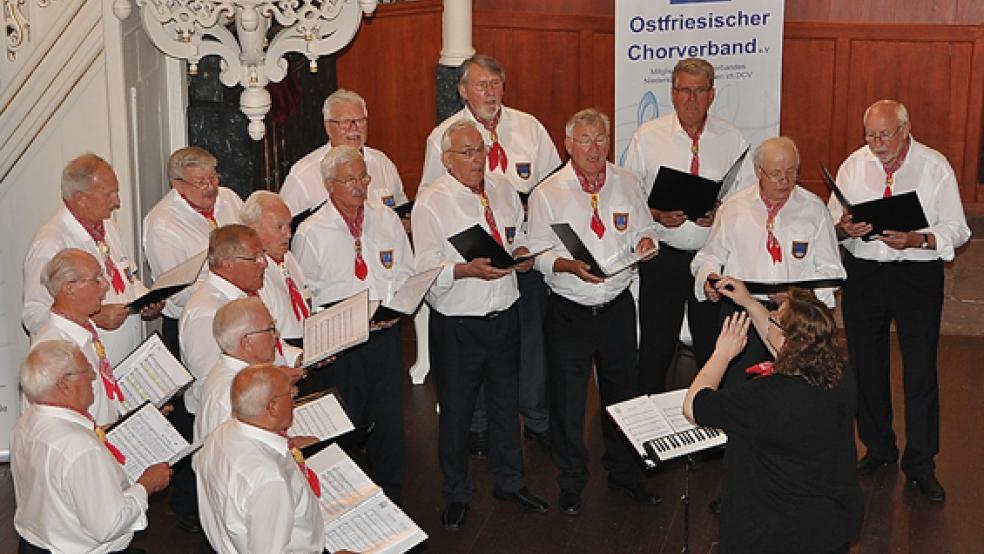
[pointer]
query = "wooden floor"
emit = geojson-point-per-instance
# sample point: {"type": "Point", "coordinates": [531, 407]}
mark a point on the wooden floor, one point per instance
{"type": "Point", "coordinates": [897, 518]}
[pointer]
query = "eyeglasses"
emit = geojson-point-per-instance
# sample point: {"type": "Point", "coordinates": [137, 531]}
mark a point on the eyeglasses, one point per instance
{"type": "Point", "coordinates": [293, 393]}
{"type": "Point", "coordinates": [271, 329]}
{"type": "Point", "coordinates": [471, 152]}
{"type": "Point", "coordinates": [352, 181]}
{"type": "Point", "coordinates": [494, 84]}
{"type": "Point", "coordinates": [689, 92]}
{"type": "Point", "coordinates": [348, 123]}
{"type": "Point", "coordinates": [778, 176]}
{"type": "Point", "coordinates": [884, 136]}
{"type": "Point", "coordinates": [94, 279]}
{"type": "Point", "coordinates": [204, 183]}
{"type": "Point", "coordinates": [586, 141]}
{"type": "Point", "coordinates": [90, 373]}
{"type": "Point", "coordinates": [259, 257]}
{"type": "Point", "coordinates": [778, 325]}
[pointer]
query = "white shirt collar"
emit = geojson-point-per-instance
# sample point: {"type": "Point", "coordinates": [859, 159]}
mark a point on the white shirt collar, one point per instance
{"type": "Point", "coordinates": [276, 442]}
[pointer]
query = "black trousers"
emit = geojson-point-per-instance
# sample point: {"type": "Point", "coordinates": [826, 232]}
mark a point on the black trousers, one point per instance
{"type": "Point", "coordinates": [532, 305]}
{"type": "Point", "coordinates": [911, 295]}
{"type": "Point", "coordinates": [467, 352]}
{"type": "Point", "coordinates": [577, 337]}
{"type": "Point", "coordinates": [184, 494]}
{"type": "Point", "coordinates": [370, 379]}
{"type": "Point", "coordinates": [169, 335]}
{"type": "Point", "coordinates": [665, 287]}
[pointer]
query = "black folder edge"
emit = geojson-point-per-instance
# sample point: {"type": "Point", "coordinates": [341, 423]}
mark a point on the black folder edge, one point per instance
{"type": "Point", "coordinates": [859, 210]}
{"type": "Point", "coordinates": [296, 221]}
{"type": "Point", "coordinates": [138, 347]}
{"type": "Point", "coordinates": [731, 176]}
{"type": "Point", "coordinates": [828, 179]}
{"type": "Point", "coordinates": [385, 313]}
{"type": "Point", "coordinates": [132, 412]}
{"type": "Point", "coordinates": [403, 210]}
{"type": "Point", "coordinates": [578, 250]}
{"type": "Point", "coordinates": [152, 295]}
{"type": "Point", "coordinates": [475, 242]}
{"type": "Point", "coordinates": [755, 287]}
{"type": "Point", "coordinates": [670, 173]}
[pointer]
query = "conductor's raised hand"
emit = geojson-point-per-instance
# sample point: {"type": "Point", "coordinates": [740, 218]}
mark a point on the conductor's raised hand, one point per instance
{"type": "Point", "coordinates": [734, 335]}
{"type": "Point", "coordinates": [736, 290]}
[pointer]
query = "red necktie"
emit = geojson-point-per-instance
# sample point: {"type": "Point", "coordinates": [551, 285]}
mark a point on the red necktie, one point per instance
{"type": "Point", "coordinates": [592, 188]}
{"type": "Point", "coordinates": [117, 454]}
{"type": "Point", "coordinates": [497, 154]}
{"type": "Point", "coordinates": [891, 168]}
{"type": "Point", "coordinates": [105, 369]}
{"type": "Point", "coordinates": [208, 214]}
{"type": "Point", "coordinates": [694, 145]}
{"type": "Point", "coordinates": [771, 242]}
{"type": "Point", "coordinates": [355, 229]}
{"type": "Point", "coordinates": [301, 311]}
{"type": "Point", "coordinates": [489, 216]}
{"type": "Point", "coordinates": [97, 231]}
{"type": "Point", "coordinates": [309, 474]}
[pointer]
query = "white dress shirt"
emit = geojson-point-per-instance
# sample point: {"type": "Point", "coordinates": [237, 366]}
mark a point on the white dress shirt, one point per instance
{"type": "Point", "coordinates": [530, 153]}
{"type": "Point", "coordinates": [560, 199]}
{"type": "Point", "coordinates": [103, 409]}
{"type": "Point", "coordinates": [71, 494]}
{"type": "Point", "coordinates": [252, 497]}
{"type": "Point", "coordinates": [276, 295]}
{"type": "Point", "coordinates": [174, 232]}
{"type": "Point", "coordinates": [663, 142]}
{"type": "Point", "coordinates": [736, 247]}
{"type": "Point", "coordinates": [925, 171]}
{"type": "Point", "coordinates": [216, 403]}
{"type": "Point", "coordinates": [325, 250]}
{"type": "Point", "coordinates": [64, 231]}
{"type": "Point", "coordinates": [304, 188]}
{"type": "Point", "coordinates": [448, 207]}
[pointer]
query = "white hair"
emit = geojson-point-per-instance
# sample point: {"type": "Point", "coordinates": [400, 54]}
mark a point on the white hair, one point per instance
{"type": "Point", "coordinates": [771, 144]}
{"type": "Point", "coordinates": [63, 268]}
{"type": "Point", "coordinates": [459, 125]}
{"type": "Point", "coordinates": [901, 113]}
{"type": "Point", "coordinates": [252, 389]}
{"type": "Point", "coordinates": [342, 96]}
{"type": "Point", "coordinates": [235, 320]}
{"type": "Point", "coordinates": [255, 205]}
{"type": "Point", "coordinates": [588, 116]}
{"type": "Point", "coordinates": [336, 157]}
{"type": "Point", "coordinates": [79, 174]}
{"type": "Point", "coordinates": [45, 364]}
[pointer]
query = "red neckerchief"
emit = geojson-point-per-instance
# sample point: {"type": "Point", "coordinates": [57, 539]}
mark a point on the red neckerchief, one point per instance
{"type": "Point", "coordinates": [497, 154]}
{"type": "Point", "coordinates": [208, 214]}
{"type": "Point", "coordinates": [694, 146]}
{"type": "Point", "coordinates": [97, 231]}
{"type": "Point", "coordinates": [117, 454]}
{"type": "Point", "coordinates": [771, 242]}
{"type": "Point", "coordinates": [105, 369]}
{"type": "Point", "coordinates": [592, 188]}
{"type": "Point", "coordinates": [892, 167]}
{"type": "Point", "coordinates": [300, 307]}
{"type": "Point", "coordinates": [355, 229]}
{"type": "Point", "coordinates": [309, 474]}
{"type": "Point", "coordinates": [489, 216]}
{"type": "Point", "coordinates": [763, 369]}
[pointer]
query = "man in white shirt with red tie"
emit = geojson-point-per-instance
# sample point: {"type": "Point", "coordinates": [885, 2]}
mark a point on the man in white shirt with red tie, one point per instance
{"type": "Point", "coordinates": [75, 280]}
{"type": "Point", "coordinates": [70, 490]}
{"type": "Point", "coordinates": [351, 244]}
{"type": "Point", "coordinates": [474, 326]}
{"type": "Point", "coordinates": [90, 193]}
{"type": "Point", "coordinates": [689, 140]}
{"type": "Point", "coordinates": [255, 492]}
{"type": "Point", "coordinates": [590, 320]}
{"type": "Point", "coordinates": [347, 124]}
{"type": "Point", "coordinates": [284, 290]}
{"type": "Point", "coordinates": [521, 151]}
{"type": "Point", "coordinates": [897, 277]}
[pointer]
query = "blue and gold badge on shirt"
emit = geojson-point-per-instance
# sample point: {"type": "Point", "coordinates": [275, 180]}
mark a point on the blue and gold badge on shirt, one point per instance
{"type": "Point", "coordinates": [620, 220]}
{"type": "Point", "coordinates": [389, 201]}
{"type": "Point", "coordinates": [510, 234]}
{"type": "Point", "coordinates": [523, 170]}
{"type": "Point", "coordinates": [800, 248]}
{"type": "Point", "coordinates": [386, 258]}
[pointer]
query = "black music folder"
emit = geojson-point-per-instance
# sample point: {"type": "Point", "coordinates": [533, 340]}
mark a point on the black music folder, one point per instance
{"type": "Point", "coordinates": [475, 242]}
{"type": "Point", "coordinates": [403, 210]}
{"type": "Point", "coordinates": [573, 243]}
{"type": "Point", "coordinates": [296, 221]}
{"type": "Point", "coordinates": [171, 282]}
{"type": "Point", "coordinates": [773, 288]}
{"type": "Point", "coordinates": [900, 212]}
{"type": "Point", "coordinates": [694, 195]}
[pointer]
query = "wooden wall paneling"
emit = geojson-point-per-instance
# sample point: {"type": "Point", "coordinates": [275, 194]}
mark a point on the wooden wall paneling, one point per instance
{"type": "Point", "coordinates": [808, 104]}
{"type": "Point", "coordinates": [573, 7]}
{"type": "Point", "coordinates": [975, 128]}
{"type": "Point", "coordinates": [603, 74]}
{"type": "Point", "coordinates": [391, 63]}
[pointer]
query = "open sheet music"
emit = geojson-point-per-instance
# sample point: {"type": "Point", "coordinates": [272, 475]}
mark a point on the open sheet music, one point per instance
{"type": "Point", "coordinates": [336, 328]}
{"type": "Point", "coordinates": [573, 243]}
{"type": "Point", "coordinates": [146, 437]}
{"type": "Point", "coordinates": [358, 515]}
{"type": "Point", "coordinates": [657, 429]}
{"type": "Point", "coordinates": [171, 281]}
{"type": "Point", "coordinates": [321, 417]}
{"type": "Point", "coordinates": [408, 297]}
{"type": "Point", "coordinates": [150, 373]}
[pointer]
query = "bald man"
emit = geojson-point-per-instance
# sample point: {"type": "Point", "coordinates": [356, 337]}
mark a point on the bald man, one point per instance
{"type": "Point", "coordinates": [898, 277]}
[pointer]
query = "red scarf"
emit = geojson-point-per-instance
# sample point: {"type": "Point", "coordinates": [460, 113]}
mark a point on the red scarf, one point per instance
{"type": "Point", "coordinates": [763, 369]}
{"type": "Point", "coordinates": [309, 474]}
{"type": "Point", "coordinates": [694, 146]}
{"type": "Point", "coordinates": [489, 216]}
{"type": "Point", "coordinates": [772, 245]}
{"type": "Point", "coordinates": [892, 167]}
{"type": "Point", "coordinates": [208, 214]}
{"type": "Point", "coordinates": [300, 307]}
{"type": "Point", "coordinates": [97, 231]}
{"type": "Point", "coordinates": [592, 188]}
{"type": "Point", "coordinates": [355, 229]}
{"type": "Point", "coordinates": [105, 369]}
{"type": "Point", "coordinates": [117, 454]}
{"type": "Point", "coordinates": [497, 154]}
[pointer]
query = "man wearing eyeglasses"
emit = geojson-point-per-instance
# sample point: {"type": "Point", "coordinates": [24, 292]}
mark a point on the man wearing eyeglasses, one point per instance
{"type": "Point", "coordinates": [897, 276]}
{"type": "Point", "coordinates": [347, 124]}
{"type": "Point", "coordinates": [177, 228]}
{"type": "Point", "coordinates": [350, 244]}
{"type": "Point", "coordinates": [693, 141]}
{"type": "Point", "coordinates": [474, 324]}
{"type": "Point", "coordinates": [590, 320]}
{"type": "Point", "coordinates": [775, 232]}
{"type": "Point", "coordinates": [90, 195]}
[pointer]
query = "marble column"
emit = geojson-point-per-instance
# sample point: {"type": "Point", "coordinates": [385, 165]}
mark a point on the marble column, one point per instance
{"type": "Point", "coordinates": [457, 47]}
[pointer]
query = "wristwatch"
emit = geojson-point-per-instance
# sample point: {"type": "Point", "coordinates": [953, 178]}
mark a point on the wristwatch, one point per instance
{"type": "Point", "coordinates": [925, 242]}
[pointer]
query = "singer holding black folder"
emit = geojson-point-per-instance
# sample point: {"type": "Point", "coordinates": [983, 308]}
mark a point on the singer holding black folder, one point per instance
{"type": "Point", "coordinates": [898, 277]}
{"type": "Point", "coordinates": [687, 140]}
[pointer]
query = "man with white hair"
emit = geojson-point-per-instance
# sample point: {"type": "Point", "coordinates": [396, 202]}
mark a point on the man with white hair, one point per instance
{"type": "Point", "coordinates": [897, 277]}
{"type": "Point", "coordinates": [90, 194]}
{"type": "Point", "coordinates": [347, 124]}
{"type": "Point", "coordinates": [178, 227]}
{"type": "Point", "coordinates": [284, 290]}
{"type": "Point", "coordinates": [71, 492]}
{"type": "Point", "coordinates": [75, 280]}
{"type": "Point", "coordinates": [246, 334]}
{"type": "Point", "coordinates": [255, 492]}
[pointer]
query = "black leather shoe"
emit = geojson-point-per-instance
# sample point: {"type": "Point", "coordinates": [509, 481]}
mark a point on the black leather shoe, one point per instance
{"type": "Point", "coordinates": [188, 523]}
{"type": "Point", "coordinates": [570, 502]}
{"type": "Point", "coordinates": [525, 498]}
{"type": "Point", "coordinates": [715, 506]}
{"type": "Point", "coordinates": [478, 444]}
{"type": "Point", "coordinates": [636, 491]}
{"type": "Point", "coordinates": [454, 515]}
{"type": "Point", "coordinates": [543, 439]}
{"type": "Point", "coordinates": [869, 464]}
{"type": "Point", "coordinates": [929, 487]}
